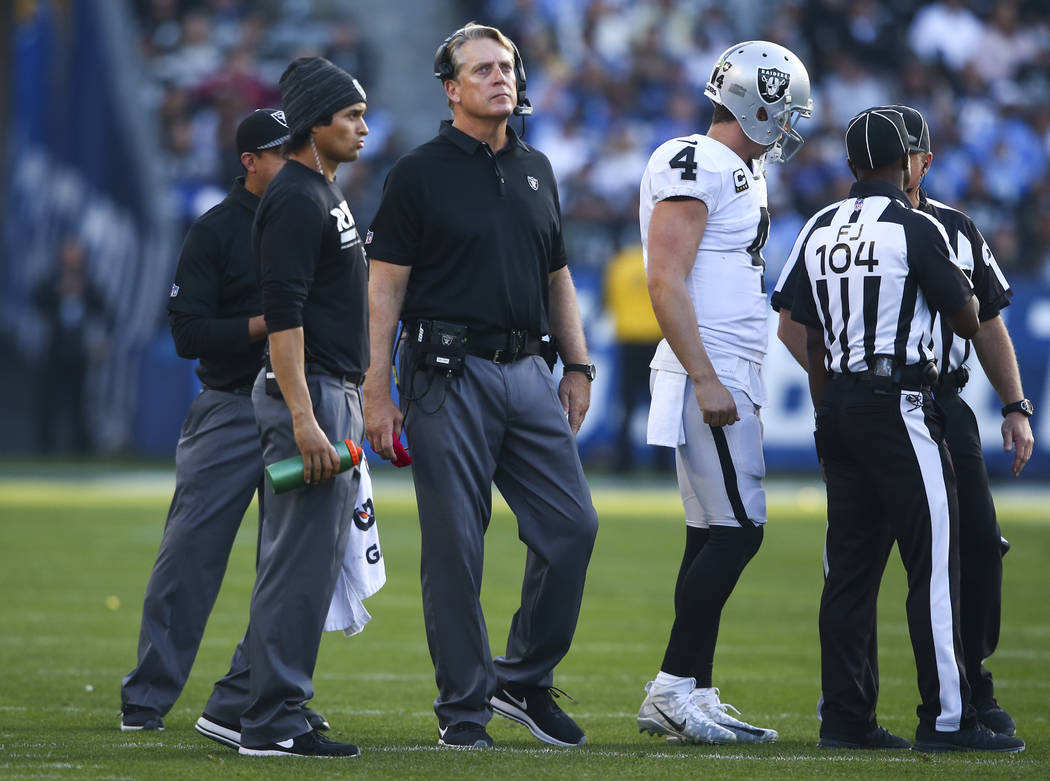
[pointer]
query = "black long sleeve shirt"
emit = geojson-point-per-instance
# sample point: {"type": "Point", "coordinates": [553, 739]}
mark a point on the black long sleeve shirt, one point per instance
{"type": "Point", "coordinates": [216, 291]}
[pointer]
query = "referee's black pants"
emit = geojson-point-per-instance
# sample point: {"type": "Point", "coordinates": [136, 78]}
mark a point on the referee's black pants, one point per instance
{"type": "Point", "coordinates": [889, 475]}
{"type": "Point", "coordinates": [980, 553]}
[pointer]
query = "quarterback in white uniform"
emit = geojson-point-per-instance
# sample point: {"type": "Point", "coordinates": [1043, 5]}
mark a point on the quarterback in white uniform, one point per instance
{"type": "Point", "coordinates": [704, 221]}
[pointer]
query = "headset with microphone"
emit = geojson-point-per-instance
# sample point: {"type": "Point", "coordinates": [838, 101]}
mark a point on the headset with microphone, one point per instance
{"type": "Point", "coordinates": [445, 69]}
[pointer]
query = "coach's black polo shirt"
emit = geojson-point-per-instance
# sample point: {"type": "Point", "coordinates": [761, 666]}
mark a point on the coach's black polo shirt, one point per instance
{"type": "Point", "coordinates": [481, 231]}
{"type": "Point", "coordinates": [313, 268]}
{"type": "Point", "coordinates": [216, 291]}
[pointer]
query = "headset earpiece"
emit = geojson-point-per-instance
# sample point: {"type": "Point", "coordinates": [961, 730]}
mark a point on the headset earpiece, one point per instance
{"type": "Point", "coordinates": [443, 68]}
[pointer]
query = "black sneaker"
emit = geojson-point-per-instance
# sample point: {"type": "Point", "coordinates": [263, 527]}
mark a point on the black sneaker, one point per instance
{"type": "Point", "coordinates": [133, 717]}
{"type": "Point", "coordinates": [991, 715]}
{"type": "Point", "coordinates": [878, 738]}
{"type": "Point", "coordinates": [464, 734]}
{"type": "Point", "coordinates": [534, 707]}
{"type": "Point", "coordinates": [978, 738]}
{"type": "Point", "coordinates": [316, 720]}
{"type": "Point", "coordinates": [309, 744]}
{"type": "Point", "coordinates": [220, 731]}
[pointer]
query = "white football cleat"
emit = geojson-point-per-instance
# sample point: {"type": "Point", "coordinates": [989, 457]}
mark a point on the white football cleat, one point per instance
{"type": "Point", "coordinates": [708, 702]}
{"type": "Point", "coordinates": [672, 712]}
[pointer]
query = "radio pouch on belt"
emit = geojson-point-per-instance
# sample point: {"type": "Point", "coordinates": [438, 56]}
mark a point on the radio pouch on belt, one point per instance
{"type": "Point", "coordinates": [885, 379]}
{"type": "Point", "coordinates": [440, 346]}
{"type": "Point", "coordinates": [549, 351]}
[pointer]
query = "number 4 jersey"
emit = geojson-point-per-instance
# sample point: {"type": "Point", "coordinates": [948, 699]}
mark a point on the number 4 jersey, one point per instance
{"type": "Point", "coordinates": [726, 284]}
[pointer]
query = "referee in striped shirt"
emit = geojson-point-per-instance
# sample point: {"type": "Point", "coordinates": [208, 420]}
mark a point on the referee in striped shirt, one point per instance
{"type": "Point", "coordinates": [980, 541]}
{"type": "Point", "coordinates": [872, 273]}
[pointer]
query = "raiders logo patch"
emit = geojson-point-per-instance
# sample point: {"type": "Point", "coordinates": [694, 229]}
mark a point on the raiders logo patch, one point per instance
{"type": "Point", "coordinates": [534, 183]}
{"type": "Point", "coordinates": [740, 180]}
{"type": "Point", "coordinates": [772, 84]}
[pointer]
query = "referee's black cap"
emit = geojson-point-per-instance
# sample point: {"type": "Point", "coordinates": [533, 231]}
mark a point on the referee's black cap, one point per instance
{"type": "Point", "coordinates": [876, 137]}
{"type": "Point", "coordinates": [264, 128]}
{"type": "Point", "coordinates": [918, 130]}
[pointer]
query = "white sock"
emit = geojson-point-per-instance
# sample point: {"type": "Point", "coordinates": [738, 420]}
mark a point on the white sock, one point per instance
{"type": "Point", "coordinates": [664, 681]}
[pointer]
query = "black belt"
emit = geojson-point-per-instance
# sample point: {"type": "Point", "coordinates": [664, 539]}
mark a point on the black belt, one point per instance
{"type": "Point", "coordinates": [910, 377]}
{"type": "Point", "coordinates": [502, 347]}
{"type": "Point", "coordinates": [240, 390]}
{"type": "Point", "coordinates": [354, 378]}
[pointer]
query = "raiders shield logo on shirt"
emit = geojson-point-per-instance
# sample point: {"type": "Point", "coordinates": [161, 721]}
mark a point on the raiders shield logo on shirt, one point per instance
{"type": "Point", "coordinates": [772, 84]}
{"type": "Point", "coordinates": [534, 183]}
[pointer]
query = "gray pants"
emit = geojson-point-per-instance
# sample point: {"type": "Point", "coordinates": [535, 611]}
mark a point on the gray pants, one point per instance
{"type": "Point", "coordinates": [499, 423]}
{"type": "Point", "coordinates": [218, 466]}
{"type": "Point", "coordinates": [301, 549]}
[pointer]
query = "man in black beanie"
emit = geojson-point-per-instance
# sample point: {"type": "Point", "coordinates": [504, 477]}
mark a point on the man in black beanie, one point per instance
{"type": "Point", "coordinates": [314, 277]}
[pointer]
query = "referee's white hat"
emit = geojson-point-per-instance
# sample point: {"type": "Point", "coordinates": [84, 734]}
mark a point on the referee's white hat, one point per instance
{"type": "Point", "coordinates": [876, 137]}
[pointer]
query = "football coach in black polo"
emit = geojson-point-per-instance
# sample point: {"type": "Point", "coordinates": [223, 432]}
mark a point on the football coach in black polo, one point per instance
{"type": "Point", "coordinates": [466, 250]}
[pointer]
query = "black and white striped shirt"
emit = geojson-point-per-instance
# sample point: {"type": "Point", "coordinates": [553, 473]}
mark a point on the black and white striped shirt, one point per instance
{"type": "Point", "coordinates": [989, 285]}
{"type": "Point", "coordinates": [872, 272]}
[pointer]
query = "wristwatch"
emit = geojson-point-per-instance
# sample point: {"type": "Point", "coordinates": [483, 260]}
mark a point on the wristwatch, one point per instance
{"type": "Point", "coordinates": [1024, 406]}
{"type": "Point", "coordinates": [587, 369]}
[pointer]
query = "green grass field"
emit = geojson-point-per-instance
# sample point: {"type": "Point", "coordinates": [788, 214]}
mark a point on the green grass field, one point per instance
{"type": "Point", "coordinates": [75, 554]}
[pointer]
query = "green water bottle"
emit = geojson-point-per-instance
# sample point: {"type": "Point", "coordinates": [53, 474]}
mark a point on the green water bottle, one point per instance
{"type": "Point", "coordinates": [287, 474]}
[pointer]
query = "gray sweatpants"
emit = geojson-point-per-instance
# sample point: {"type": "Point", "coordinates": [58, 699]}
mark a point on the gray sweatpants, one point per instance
{"type": "Point", "coordinates": [499, 423]}
{"type": "Point", "coordinates": [301, 549]}
{"type": "Point", "coordinates": [218, 466]}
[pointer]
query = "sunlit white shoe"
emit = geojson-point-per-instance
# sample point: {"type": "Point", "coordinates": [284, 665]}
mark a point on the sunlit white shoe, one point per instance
{"type": "Point", "coordinates": [708, 702]}
{"type": "Point", "coordinates": [673, 712]}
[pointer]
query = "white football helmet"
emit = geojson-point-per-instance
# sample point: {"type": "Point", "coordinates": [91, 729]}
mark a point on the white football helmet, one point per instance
{"type": "Point", "coordinates": [758, 76]}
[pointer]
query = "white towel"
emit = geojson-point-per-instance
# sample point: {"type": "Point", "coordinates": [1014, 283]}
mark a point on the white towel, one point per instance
{"type": "Point", "coordinates": [363, 572]}
{"type": "Point", "coordinates": [666, 427]}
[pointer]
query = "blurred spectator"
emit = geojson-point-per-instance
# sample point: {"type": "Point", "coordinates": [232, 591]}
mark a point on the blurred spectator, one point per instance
{"type": "Point", "coordinates": [946, 31]}
{"type": "Point", "coordinates": [76, 319]}
{"type": "Point", "coordinates": [1004, 46]}
{"type": "Point", "coordinates": [637, 334]}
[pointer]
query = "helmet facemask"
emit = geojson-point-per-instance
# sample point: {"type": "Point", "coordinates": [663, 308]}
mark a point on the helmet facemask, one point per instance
{"type": "Point", "coordinates": [790, 140]}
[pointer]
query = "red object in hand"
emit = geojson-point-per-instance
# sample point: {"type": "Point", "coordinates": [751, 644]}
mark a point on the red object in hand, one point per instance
{"type": "Point", "coordinates": [402, 457]}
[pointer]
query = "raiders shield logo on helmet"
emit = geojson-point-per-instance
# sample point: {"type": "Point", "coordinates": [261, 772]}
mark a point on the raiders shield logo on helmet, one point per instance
{"type": "Point", "coordinates": [772, 84]}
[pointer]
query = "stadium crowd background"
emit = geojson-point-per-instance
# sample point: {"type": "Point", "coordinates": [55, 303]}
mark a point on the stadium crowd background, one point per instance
{"type": "Point", "coordinates": [609, 80]}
